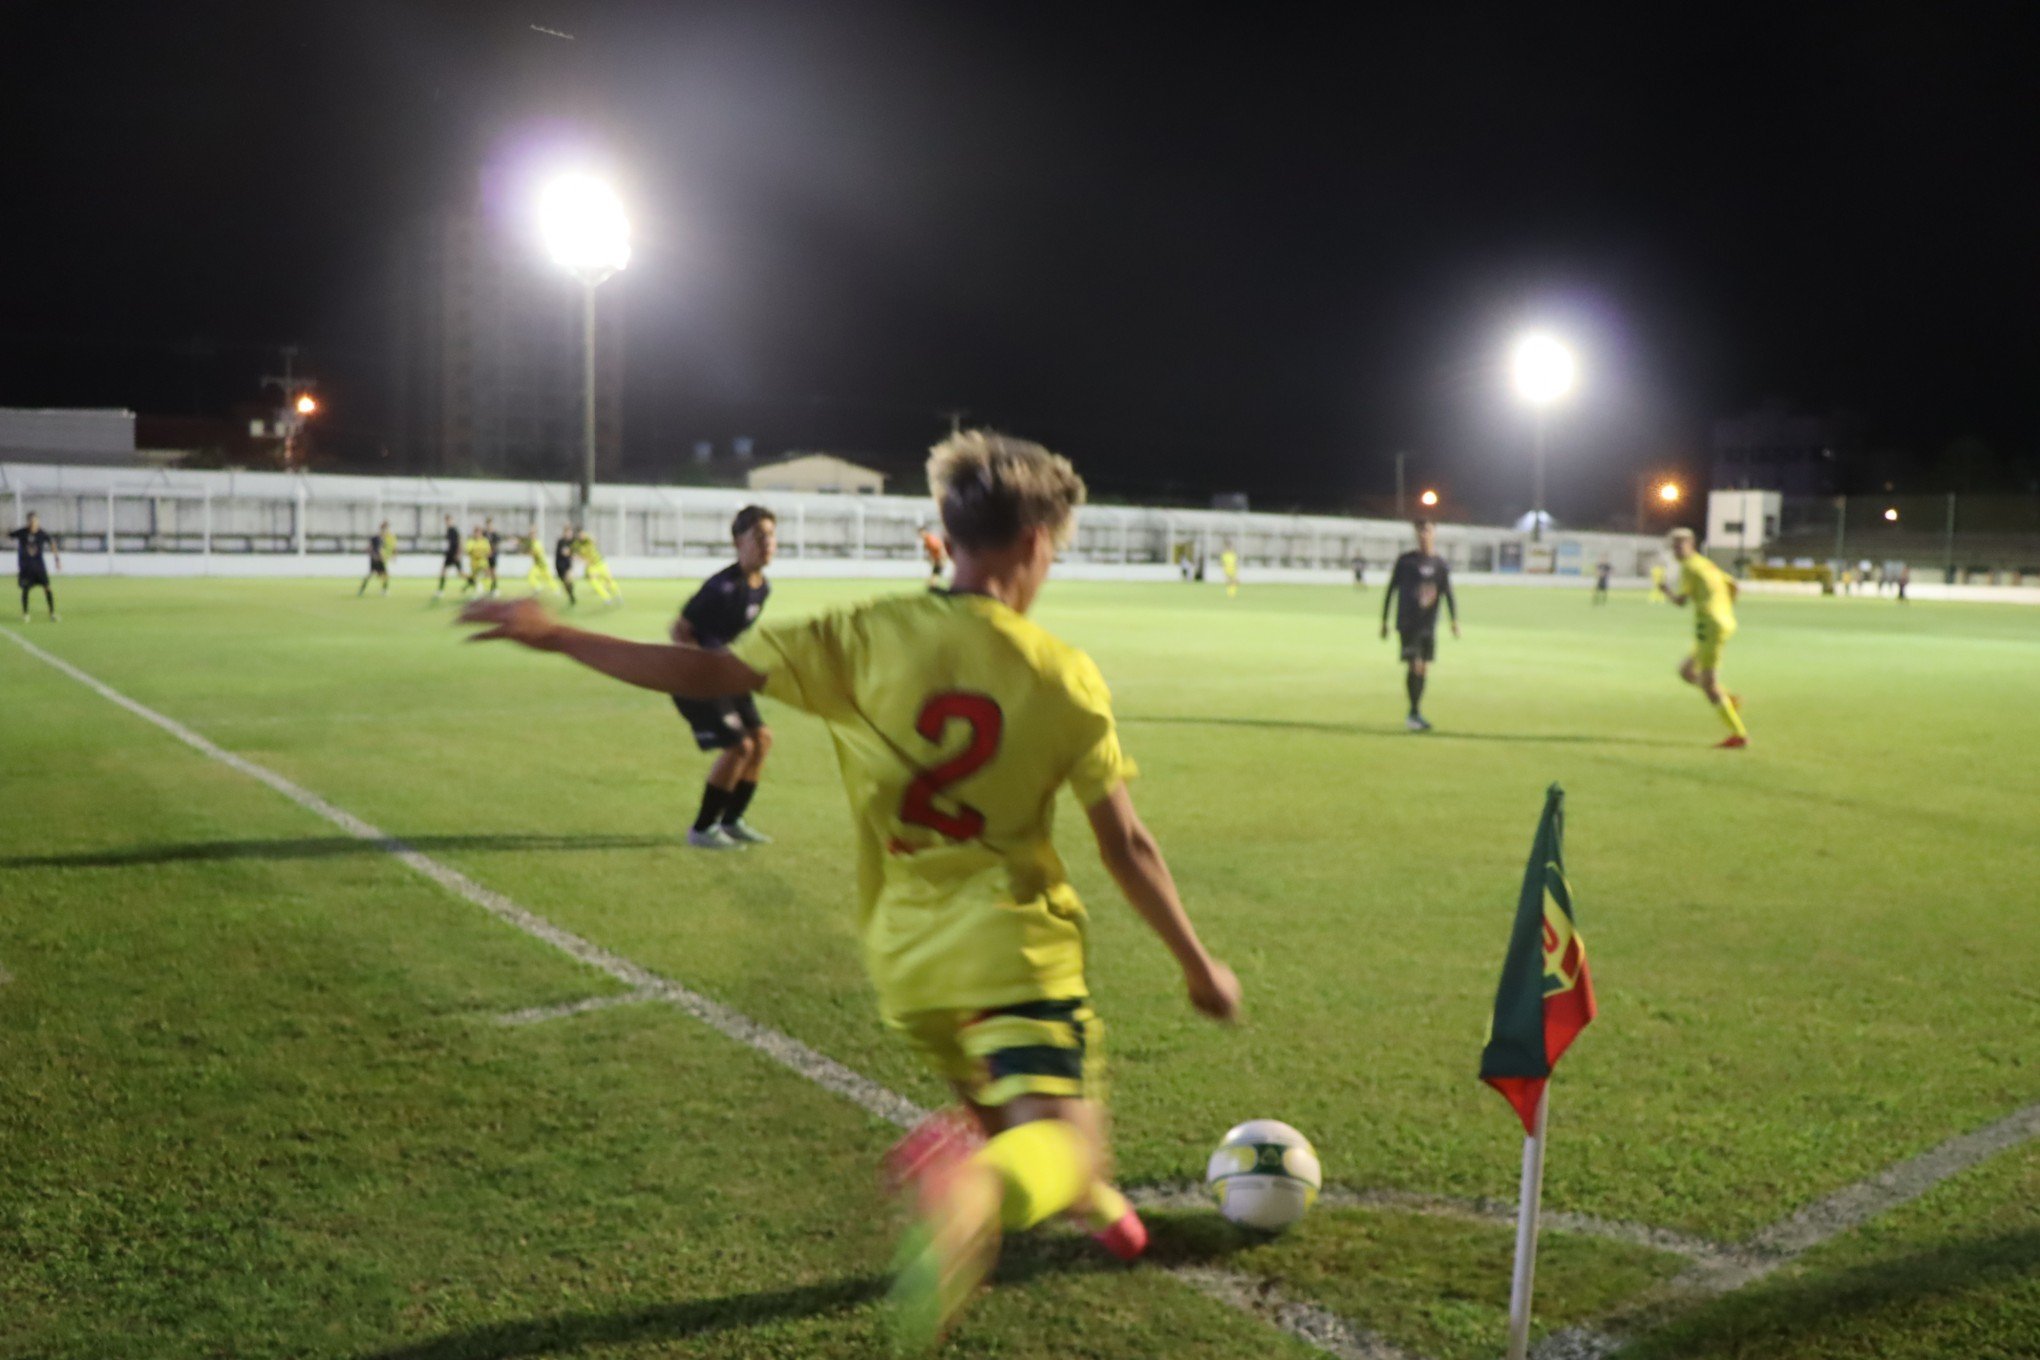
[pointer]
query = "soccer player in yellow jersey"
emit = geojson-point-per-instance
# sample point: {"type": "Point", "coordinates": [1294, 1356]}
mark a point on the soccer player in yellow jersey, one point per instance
{"type": "Point", "coordinates": [955, 721]}
{"type": "Point", "coordinates": [1713, 593]}
{"type": "Point", "coordinates": [595, 571]}
{"type": "Point", "coordinates": [538, 578]}
{"type": "Point", "coordinates": [479, 550]}
{"type": "Point", "coordinates": [1229, 563]}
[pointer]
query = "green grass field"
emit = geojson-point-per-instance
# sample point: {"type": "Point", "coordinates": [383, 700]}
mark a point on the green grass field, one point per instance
{"type": "Point", "coordinates": [255, 1100]}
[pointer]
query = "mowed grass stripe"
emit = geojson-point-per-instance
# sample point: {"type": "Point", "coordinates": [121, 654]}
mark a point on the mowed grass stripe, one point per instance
{"type": "Point", "coordinates": [256, 1109]}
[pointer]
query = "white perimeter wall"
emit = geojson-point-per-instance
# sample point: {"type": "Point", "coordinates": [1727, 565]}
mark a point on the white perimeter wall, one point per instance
{"type": "Point", "coordinates": [171, 522]}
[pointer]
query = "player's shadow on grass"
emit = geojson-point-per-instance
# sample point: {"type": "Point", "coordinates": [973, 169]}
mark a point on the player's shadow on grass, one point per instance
{"type": "Point", "coordinates": [1968, 1278]}
{"type": "Point", "coordinates": [564, 1333]}
{"type": "Point", "coordinates": [1384, 730]}
{"type": "Point", "coordinates": [1178, 1239]}
{"type": "Point", "coordinates": [323, 847]}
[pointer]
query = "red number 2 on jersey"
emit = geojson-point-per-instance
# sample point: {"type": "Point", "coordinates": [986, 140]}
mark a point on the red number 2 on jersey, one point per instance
{"type": "Point", "coordinates": [987, 724]}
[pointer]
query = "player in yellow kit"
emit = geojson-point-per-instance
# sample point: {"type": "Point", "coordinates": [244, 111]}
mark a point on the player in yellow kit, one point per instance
{"type": "Point", "coordinates": [538, 578]}
{"type": "Point", "coordinates": [1229, 563]}
{"type": "Point", "coordinates": [955, 721]}
{"type": "Point", "coordinates": [595, 571]}
{"type": "Point", "coordinates": [1713, 593]}
{"type": "Point", "coordinates": [478, 549]}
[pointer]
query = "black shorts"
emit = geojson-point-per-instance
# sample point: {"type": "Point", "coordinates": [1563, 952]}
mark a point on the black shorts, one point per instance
{"type": "Point", "coordinates": [1421, 645]}
{"type": "Point", "coordinates": [492, 563]}
{"type": "Point", "coordinates": [452, 560]}
{"type": "Point", "coordinates": [720, 723]}
{"type": "Point", "coordinates": [35, 574]}
{"type": "Point", "coordinates": [563, 567]}
{"type": "Point", "coordinates": [378, 567]}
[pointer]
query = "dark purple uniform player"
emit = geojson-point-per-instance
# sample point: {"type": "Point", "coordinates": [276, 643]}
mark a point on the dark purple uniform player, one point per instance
{"type": "Point", "coordinates": [33, 544]}
{"type": "Point", "coordinates": [727, 603]}
{"type": "Point", "coordinates": [1416, 585]}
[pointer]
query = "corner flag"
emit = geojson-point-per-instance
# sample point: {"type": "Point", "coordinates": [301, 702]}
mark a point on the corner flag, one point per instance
{"type": "Point", "coordinates": [1546, 996]}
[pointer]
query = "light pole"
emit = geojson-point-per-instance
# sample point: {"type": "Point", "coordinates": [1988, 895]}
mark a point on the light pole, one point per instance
{"type": "Point", "coordinates": [588, 235]}
{"type": "Point", "coordinates": [1543, 369]}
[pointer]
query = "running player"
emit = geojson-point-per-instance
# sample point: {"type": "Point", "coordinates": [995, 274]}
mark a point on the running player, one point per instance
{"type": "Point", "coordinates": [382, 550]}
{"type": "Point", "coordinates": [1229, 563]}
{"type": "Point", "coordinates": [1420, 579]}
{"type": "Point", "coordinates": [479, 551]}
{"type": "Point", "coordinates": [1602, 572]}
{"type": "Point", "coordinates": [31, 542]}
{"type": "Point", "coordinates": [1713, 593]}
{"type": "Point", "coordinates": [495, 551]}
{"type": "Point", "coordinates": [451, 562]}
{"type": "Point", "coordinates": [538, 578]}
{"type": "Point", "coordinates": [728, 603]}
{"type": "Point", "coordinates": [937, 555]}
{"type": "Point", "coordinates": [956, 719]}
{"type": "Point", "coordinates": [1657, 584]}
{"type": "Point", "coordinates": [595, 570]}
{"type": "Point", "coordinates": [563, 561]}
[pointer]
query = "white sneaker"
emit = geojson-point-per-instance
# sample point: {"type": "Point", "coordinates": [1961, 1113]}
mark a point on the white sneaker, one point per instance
{"type": "Point", "coordinates": [712, 839]}
{"type": "Point", "coordinates": [1416, 724]}
{"type": "Point", "coordinates": [741, 830]}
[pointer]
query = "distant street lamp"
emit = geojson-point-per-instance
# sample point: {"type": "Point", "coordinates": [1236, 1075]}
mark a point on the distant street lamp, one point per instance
{"type": "Point", "coordinates": [1429, 500]}
{"type": "Point", "coordinates": [1891, 515]}
{"type": "Point", "coordinates": [588, 235]}
{"type": "Point", "coordinates": [307, 405]}
{"type": "Point", "coordinates": [1543, 370]}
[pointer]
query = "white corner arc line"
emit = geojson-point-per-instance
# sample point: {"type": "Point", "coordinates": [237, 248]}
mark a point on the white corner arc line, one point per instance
{"type": "Point", "coordinates": [538, 1015]}
{"type": "Point", "coordinates": [1313, 1326]}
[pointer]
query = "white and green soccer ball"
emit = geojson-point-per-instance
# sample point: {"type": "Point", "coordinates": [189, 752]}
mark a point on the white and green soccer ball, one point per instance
{"type": "Point", "coordinates": [1264, 1175]}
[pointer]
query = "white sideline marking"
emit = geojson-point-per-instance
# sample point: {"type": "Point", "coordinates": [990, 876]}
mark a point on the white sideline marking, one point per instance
{"type": "Point", "coordinates": [789, 1052]}
{"type": "Point", "coordinates": [1314, 1326]}
{"type": "Point", "coordinates": [1715, 1270]}
{"type": "Point", "coordinates": [533, 1015]}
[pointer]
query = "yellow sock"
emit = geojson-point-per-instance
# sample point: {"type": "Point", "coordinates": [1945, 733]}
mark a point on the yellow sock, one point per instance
{"type": "Point", "coordinates": [1733, 719]}
{"type": "Point", "coordinates": [1044, 1166]}
{"type": "Point", "coordinates": [1106, 1208]}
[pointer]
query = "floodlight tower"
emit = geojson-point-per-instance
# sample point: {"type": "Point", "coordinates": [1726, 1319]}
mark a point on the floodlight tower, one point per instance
{"type": "Point", "coordinates": [588, 235]}
{"type": "Point", "coordinates": [1543, 370]}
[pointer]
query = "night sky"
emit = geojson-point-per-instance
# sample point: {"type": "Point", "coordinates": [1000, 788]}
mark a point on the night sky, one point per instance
{"type": "Point", "coordinates": [1197, 248]}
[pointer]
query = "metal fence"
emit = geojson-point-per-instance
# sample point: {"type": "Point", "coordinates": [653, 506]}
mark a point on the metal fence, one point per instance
{"type": "Point", "coordinates": [1973, 539]}
{"type": "Point", "coordinates": [275, 515]}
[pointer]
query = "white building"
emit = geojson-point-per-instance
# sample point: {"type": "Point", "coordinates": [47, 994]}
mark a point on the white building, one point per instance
{"type": "Point", "coordinates": [817, 472]}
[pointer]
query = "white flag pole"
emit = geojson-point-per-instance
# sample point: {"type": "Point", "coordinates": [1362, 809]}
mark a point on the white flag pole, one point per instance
{"type": "Point", "coordinates": [1528, 1200]}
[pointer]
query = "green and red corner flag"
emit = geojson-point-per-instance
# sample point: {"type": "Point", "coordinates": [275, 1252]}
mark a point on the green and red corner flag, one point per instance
{"type": "Point", "coordinates": [1546, 996]}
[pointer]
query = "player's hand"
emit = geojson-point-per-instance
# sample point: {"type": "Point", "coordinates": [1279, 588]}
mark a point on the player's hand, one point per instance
{"type": "Point", "coordinates": [524, 621]}
{"type": "Point", "coordinates": [1384, 632]}
{"type": "Point", "coordinates": [1455, 627]}
{"type": "Point", "coordinates": [1214, 991]}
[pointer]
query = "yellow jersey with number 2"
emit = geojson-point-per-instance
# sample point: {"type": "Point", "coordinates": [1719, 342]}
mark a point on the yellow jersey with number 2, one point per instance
{"type": "Point", "coordinates": [956, 721]}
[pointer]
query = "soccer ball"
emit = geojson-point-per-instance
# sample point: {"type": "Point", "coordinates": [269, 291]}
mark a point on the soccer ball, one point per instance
{"type": "Point", "coordinates": [1264, 1175]}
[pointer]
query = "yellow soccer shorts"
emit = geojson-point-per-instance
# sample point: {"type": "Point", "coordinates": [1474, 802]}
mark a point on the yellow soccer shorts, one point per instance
{"type": "Point", "coordinates": [1035, 1048]}
{"type": "Point", "coordinates": [1709, 637]}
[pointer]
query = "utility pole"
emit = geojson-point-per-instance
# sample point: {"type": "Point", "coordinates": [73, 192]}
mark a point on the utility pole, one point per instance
{"type": "Point", "coordinates": [293, 388]}
{"type": "Point", "coordinates": [1399, 456]}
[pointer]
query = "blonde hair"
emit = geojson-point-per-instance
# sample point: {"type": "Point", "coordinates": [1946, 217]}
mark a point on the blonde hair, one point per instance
{"type": "Point", "coordinates": [992, 488]}
{"type": "Point", "coordinates": [1678, 534]}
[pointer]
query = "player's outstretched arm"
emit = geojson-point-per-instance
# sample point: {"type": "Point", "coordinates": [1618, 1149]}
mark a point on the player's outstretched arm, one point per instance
{"type": "Point", "coordinates": [1134, 859]}
{"type": "Point", "coordinates": [689, 672]}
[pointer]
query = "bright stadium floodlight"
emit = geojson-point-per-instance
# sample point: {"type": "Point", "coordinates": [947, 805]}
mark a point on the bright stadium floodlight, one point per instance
{"type": "Point", "coordinates": [1543, 369]}
{"type": "Point", "coordinates": [588, 234]}
{"type": "Point", "coordinates": [1891, 515]}
{"type": "Point", "coordinates": [585, 229]}
{"type": "Point", "coordinates": [1428, 499]}
{"type": "Point", "coordinates": [1669, 493]}
{"type": "Point", "coordinates": [307, 405]}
